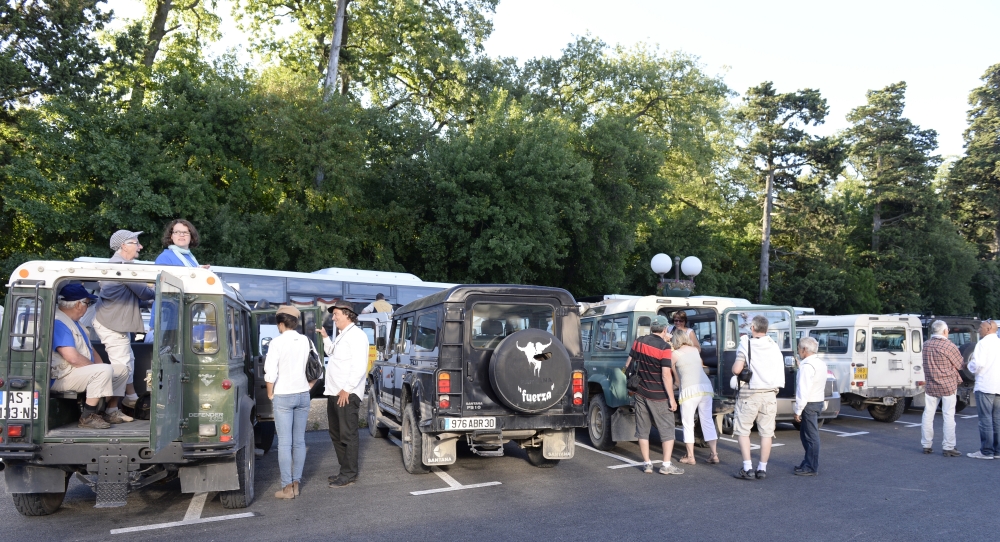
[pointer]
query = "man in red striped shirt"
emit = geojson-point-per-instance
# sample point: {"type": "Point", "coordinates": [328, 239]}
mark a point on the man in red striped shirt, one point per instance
{"type": "Point", "coordinates": [654, 400]}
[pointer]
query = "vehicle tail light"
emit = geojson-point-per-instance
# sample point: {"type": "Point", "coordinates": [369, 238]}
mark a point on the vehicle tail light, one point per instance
{"type": "Point", "coordinates": [226, 384]}
{"type": "Point", "coordinates": [444, 382]}
{"type": "Point", "coordinates": [921, 382]}
{"type": "Point", "coordinates": [1, 382]}
{"type": "Point", "coordinates": [444, 401]}
{"type": "Point", "coordinates": [225, 438]}
{"type": "Point", "coordinates": [15, 431]}
{"type": "Point", "coordinates": [226, 429]}
{"type": "Point", "coordinates": [861, 384]}
{"type": "Point", "coordinates": [577, 387]}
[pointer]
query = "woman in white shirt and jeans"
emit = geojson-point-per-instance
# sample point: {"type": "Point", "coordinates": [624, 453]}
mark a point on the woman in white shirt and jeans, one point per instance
{"type": "Point", "coordinates": [285, 375]}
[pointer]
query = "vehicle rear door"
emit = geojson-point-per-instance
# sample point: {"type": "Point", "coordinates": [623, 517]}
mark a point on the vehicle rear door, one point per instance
{"type": "Point", "coordinates": [889, 359]}
{"type": "Point", "coordinates": [735, 323]}
{"type": "Point", "coordinates": [167, 367]}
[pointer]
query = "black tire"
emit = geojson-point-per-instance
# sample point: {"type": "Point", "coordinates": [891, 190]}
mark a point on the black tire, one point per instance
{"type": "Point", "coordinates": [960, 406]}
{"type": "Point", "coordinates": [599, 423]}
{"type": "Point", "coordinates": [728, 423]}
{"type": "Point", "coordinates": [242, 497]}
{"type": "Point", "coordinates": [535, 458]}
{"type": "Point", "coordinates": [263, 435]}
{"type": "Point", "coordinates": [887, 414]}
{"type": "Point", "coordinates": [39, 504]}
{"type": "Point", "coordinates": [374, 413]}
{"type": "Point", "coordinates": [412, 444]}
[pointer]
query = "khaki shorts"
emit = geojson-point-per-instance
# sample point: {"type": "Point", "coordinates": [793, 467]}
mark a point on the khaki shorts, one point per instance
{"type": "Point", "coordinates": [759, 406]}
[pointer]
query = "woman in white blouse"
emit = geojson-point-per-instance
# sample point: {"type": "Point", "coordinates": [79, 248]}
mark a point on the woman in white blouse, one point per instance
{"type": "Point", "coordinates": [285, 375]}
{"type": "Point", "coordinates": [695, 393]}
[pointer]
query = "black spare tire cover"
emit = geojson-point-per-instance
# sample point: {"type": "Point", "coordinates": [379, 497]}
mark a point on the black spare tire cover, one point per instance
{"type": "Point", "coordinates": [968, 377]}
{"type": "Point", "coordinates": [530, 371]}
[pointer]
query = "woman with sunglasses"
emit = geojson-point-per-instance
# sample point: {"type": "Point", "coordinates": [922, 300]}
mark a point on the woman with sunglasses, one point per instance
{"type": "Point", "coordinates": [680, 320]}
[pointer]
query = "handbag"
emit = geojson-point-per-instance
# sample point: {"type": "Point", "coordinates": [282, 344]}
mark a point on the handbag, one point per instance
{"type": "Point", "coordinates": [632, 380]}
{"type": "Point", "coordinates": [314, 368]}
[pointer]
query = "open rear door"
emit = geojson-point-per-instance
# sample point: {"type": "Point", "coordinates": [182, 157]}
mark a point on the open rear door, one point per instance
{"type": "Point", "coordinates": [165, 387]}
{"type": "Point", "coordinates": [735, 322]}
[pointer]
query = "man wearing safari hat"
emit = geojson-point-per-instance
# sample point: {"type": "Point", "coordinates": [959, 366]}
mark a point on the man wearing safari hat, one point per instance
{"type": "Point", "coordinates": [345, 384]}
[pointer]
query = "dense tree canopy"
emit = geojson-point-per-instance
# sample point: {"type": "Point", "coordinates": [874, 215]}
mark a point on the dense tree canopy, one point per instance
{"type": "Point", "coordinates": [436, 159]}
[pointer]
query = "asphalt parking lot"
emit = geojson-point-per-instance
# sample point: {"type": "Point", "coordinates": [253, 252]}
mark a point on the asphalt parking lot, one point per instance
{"type": "Point", "coordinates": [874, 484]}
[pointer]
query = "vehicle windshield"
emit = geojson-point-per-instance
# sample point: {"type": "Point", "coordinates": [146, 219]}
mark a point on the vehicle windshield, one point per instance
{"type": "Point", "coordinates": [491, 322]}
{"type": "Point", "coordinates": [369, 329]}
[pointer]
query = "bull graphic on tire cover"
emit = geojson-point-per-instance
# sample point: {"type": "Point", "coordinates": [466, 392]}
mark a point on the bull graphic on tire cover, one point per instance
{"type": "Point", "coordinates": [531, 351]}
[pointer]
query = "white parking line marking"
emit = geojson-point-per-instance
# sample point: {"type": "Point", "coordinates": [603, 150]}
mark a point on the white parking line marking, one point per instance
{"type": "Point", "coordinates": [752, 445]}
{"type": "Point", "coordinates": [453, 484]}
{"type": "Point", "coordinates": [907, 424]}
{"type": "Point", "coordinates": [196, 506]}
{"type": "Point", "coordinates": [181, 523]}
{"type": "Point", "coordinates": [843, 434]}
{"type": "Point", "coordinates": [967, 417]}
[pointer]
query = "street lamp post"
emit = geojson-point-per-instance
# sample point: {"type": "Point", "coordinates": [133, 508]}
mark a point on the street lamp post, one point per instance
{"type": "Point", "coordinates": [661, 265]}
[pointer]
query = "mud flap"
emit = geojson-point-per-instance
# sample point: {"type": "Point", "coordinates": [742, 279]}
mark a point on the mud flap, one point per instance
{"type": "Point", "coordinates": [558, 444]}
{"type": "Point", "coordinates": [623, 425]}
{"type": "Point", "coordinates": [206, 477]}
{"type": "Point", "coordinates": [32, 479]}
{"type": "Point", "coordinates": [439, 452]}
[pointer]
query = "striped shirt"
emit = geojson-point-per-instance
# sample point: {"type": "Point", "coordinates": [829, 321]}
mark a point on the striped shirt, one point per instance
{"type": "Point", "coordinates": [942, 363]}
{"type": "Point", "coordinates": [651, 354]}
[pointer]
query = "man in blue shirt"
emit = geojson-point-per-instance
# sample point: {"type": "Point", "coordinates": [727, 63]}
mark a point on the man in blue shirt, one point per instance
{"type": "Point", "coordinates": [75, 366]}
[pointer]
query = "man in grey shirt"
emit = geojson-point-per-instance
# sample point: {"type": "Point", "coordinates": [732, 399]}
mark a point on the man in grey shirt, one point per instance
{"type": "Point", "coordinates": [118, 316]}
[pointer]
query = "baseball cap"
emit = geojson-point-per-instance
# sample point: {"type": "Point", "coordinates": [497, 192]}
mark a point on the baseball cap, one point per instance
{"type": "Point", "coordinates": [119, 237]}
{"type": "Point", "coordinates": [75, 291]}
{"type": "Point", "coordinates": [289, 310]}
{"type": "Point", "coordinates": [341, 304]}
{"type": "Point", "coordinates": [660, 321]}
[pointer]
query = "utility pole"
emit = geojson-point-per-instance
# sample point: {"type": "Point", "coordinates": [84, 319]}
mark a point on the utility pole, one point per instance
{"type": "Point", "coordinates": [338, 34]}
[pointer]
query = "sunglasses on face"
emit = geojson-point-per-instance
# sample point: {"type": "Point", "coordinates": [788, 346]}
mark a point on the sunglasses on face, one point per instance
{"type": "Point", "coordinates": [88, 302]}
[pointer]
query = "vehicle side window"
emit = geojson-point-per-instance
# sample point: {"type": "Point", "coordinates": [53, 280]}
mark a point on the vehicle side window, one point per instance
{"type": "Point", "coordinates": [612, 334]}
{"type": "Point", "coordinates": [860, 338]}
{"type": "Point", "coordinates": [23, 322]}
{"type": "Point", "coordinates": [404, 335]}
{"type": "Point", "coordinates": [230, 331]}
{"type": "Point", "coordinates": [204, 329]}
{"type": "Point", "coordinates": [426, 333]}
{"type": "Point", "coordinates": [585, 330]}
{"type": "Point", "coordinates": [237, 333]}
{"type": "Point", "coordinates": [832, 341]}
{"type": "Point", "coordinates": [916, 340]}
{"type": "Point", "coordinates": [960, 336]}
{"type": "Point", "coordinates": [888, 339]}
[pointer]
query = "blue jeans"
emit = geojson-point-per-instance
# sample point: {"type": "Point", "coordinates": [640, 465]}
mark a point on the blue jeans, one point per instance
{"type": "Point", "coordinates": [988, 407]}
{"type": "Point", "coordinates": [809, 434]}
{"type": "Point", "coordinates": [291, 413]}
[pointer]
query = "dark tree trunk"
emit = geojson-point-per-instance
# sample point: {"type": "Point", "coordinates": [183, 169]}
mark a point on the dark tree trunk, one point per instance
{"type": "Point", "coordinates": [765, 246]}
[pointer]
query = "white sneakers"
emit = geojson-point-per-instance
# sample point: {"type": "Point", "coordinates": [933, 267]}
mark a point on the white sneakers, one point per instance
{"type": "Point", "coordinates": [979, 455]}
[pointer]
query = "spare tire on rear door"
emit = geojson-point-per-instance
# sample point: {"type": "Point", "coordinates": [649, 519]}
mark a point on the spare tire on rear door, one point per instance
{"type": "Point", "coordinates": [530, 371]}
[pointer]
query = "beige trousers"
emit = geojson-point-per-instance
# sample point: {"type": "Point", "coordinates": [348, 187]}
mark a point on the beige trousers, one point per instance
{"type": "Point", "coordinates": [98, 380]}
{"type": "Point", "coordinates": [119, 348]}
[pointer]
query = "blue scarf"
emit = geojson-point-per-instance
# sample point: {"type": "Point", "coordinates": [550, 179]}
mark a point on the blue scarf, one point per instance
{"type": "Point", "coordinates": [181, 253]}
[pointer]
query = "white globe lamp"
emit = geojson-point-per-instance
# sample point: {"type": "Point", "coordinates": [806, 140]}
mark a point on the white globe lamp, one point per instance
{"type": "Point", "coordinates": [661, 264]}
{"type": "Point", "coordinates": [691, 266]}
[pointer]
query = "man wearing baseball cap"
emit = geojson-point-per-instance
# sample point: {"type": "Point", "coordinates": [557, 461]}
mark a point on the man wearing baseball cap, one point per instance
{"type": "Point", "coordinates": [345, 383]}
{"type": "Point", "coordinates": [118, 316]}
{"type": "Point", "coordinates": [75, 366]}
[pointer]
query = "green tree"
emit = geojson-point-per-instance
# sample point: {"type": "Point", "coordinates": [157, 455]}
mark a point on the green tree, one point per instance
{"type": "Point", "coordinates": [778, 148]}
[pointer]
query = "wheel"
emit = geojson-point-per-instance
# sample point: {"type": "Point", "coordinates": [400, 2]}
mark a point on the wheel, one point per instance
{"type": "Point", "coordinates": [599, 423]}
{"type": "Point", "coordinates": [887, 414]}
{"type": "Point", "coordinates": [39, 504]}
{"type": "Point", "coordinates": [263, 434]}
{"type": "Point", "coordinates": [960, 406]}
{"type": "Point", "coordinates": [374, 412]}
{"type": "Point", "coordinates": [242, 497]}
{"type": "Point", "coordinates": [728, 423]}
{"type": "Point", "coordinates": [536, 458]}
{"type": "Point", "coordinates": [412, 444]}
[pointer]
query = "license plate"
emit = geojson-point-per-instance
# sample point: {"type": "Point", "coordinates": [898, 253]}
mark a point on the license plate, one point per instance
{"type": "Point", "coordinates": [861, 373]}
{"type": "Point", "coordinates": [461, 424]}
{"type": "Point", "coordinates": [18, 405]}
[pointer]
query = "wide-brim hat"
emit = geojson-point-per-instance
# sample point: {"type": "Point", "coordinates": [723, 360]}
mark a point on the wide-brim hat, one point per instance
{"type": "Point", "coordinates": [341, 304]}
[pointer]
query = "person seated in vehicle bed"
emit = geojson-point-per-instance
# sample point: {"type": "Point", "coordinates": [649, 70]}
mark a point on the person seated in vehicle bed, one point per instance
{"type": "Point", "coordinates": [75, 365]}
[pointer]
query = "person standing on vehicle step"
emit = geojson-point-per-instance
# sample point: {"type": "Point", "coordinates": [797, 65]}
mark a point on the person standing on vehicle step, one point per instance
{"type": "Point", "coordinates": [758, 399]}
{"type": "Point", "coordinates": [985, 364]}
{"type": "Point", "coordinates": [118, 316]}
{"type": "Point", "coordinates": [288, 390]}
{"type": "Point", "coordinates": [810, 388]}
{"type": "Point", "coordinates": [379, 305]}
{"type": "Point", "coordinates": [654, 400]}
{"type": "Point", "coordinates": [345, 384]}
{"type": "Point", "coordinates": [75, 365]}
{"type": "Point", "coordinates": [942, 368]}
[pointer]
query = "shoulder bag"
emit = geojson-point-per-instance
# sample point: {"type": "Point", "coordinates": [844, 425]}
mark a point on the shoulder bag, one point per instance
{"type": "Point", "coordinates": [314, 368]}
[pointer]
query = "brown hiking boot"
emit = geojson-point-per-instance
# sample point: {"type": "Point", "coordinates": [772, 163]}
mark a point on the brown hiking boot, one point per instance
{"type": "Point", "coordinates": [93, 421]}
{"type": "Point", "coordinates": [285, 493]}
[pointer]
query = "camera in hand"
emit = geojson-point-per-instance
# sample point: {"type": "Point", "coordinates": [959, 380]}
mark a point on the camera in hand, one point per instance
{"type": "Point", "coordinates": [746, 374]}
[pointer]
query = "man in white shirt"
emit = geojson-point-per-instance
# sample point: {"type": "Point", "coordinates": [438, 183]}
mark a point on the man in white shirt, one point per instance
{"type": "Point", "coordinates": [758, 399]}
{"type": "Point", "coordinates": [985, 363]}
{"type": "Point", "coordinates": [809, 395]}
{"type": "Point", "coordinates": [345, 384]}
